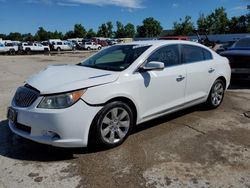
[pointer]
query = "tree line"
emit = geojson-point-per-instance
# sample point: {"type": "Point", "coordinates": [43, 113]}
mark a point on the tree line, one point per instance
{"type": "Point", "coordinates": [215, 23]}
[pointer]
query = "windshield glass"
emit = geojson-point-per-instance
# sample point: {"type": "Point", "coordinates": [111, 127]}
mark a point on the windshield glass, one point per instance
{"type": "Point", "coordinates": [115, 58]}
{"type": "Point", "coordinates": [243, 43]}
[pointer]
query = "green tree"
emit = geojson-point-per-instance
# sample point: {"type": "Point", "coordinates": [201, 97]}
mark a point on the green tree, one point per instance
{"type": "Point", "coordinates": [129, 30]}
{"type": "Point", "coordinates": [184, 27]}
{"type": "Point", "coordinates": [90, 34]}
{"type": "Point", "coordinates": [27, 37]}
{"type": "Point", "coordinates": [102, 31]}
{"type": "Point", "coordinates": [41, 34]}
{"type": "Point", "coordinates": [214, 23]}
{"type": "Point", "coordinates": [105, 30]}
{"type": "Point", "coordinates": [69, 34]}
{"type": "Point", "coordinates": [3, 36]}
{"type": "Point", "coordinates": [109, 29]}
{"type": "Point", "coordinates": [248, 19]}
{"type": "Point", "coordinates": [79, 31]}
{"type": "Point", "coordinates": [150, 28]}
{"type": "Point", "coordinates": [120, 31]}
{"type": "Point", "coordinates": [15, 36]}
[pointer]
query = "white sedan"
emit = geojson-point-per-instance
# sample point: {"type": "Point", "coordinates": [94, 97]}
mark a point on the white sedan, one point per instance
{"type": "Point", "coordinates": [99, 100]}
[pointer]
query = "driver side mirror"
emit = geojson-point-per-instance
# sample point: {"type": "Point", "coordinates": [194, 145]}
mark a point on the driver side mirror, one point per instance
{"type": "Point", "coordinates": [153, 65]}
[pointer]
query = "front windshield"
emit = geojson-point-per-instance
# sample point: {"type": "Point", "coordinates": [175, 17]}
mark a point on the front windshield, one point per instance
{"type": "Point", "coordinates": [115, 58]}
{"type": "Point", "coordinates": [243, 43]}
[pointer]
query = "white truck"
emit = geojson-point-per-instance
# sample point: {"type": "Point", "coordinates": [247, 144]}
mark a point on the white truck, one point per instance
{"type": "Point", "coordinates": [8, 47]}
{"type": "Point", "coordinates": [92, 46]}
{"type": "Point", "coordinates": [34, 47]}
{"type": "Point", "coordinates": [62, 46]}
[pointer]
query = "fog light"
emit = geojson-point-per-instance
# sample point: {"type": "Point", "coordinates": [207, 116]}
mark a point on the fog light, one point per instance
{"type": "Point", "coordinates": [51, 134]}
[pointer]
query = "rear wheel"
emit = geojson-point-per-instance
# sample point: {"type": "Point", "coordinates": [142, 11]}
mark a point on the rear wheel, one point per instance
{"type": "Point", "coordinates": [12, 52]}
{"type": "Point", "coordinates": [28, 51]}
{"type": "Point", "coordinates": [112, 125]}
{"type": "Point", "coordinates": [88, 48]}
{"type": "Point", "coordinates": [58, 49]}
{"type": "Point", "coordinates": [216, 94]}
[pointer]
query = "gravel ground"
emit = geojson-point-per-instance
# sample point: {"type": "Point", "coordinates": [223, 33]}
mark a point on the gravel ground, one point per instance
{"type": "Point", "coordinates": [191, 148]}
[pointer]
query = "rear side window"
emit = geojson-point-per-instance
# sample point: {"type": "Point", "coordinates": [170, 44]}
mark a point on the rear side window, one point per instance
{"type": "Point", "coordinates": [191, 54]}
{"type": "Point", "coordinates": [169, 55]}
{"type": "Point", "coordinates": [59, 43]}
{"type": "Point", "coordinates": [207, 55]}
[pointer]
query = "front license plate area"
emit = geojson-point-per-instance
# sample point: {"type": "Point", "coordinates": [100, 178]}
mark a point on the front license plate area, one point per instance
{"type": "Point", "coordinates": [12, 115]}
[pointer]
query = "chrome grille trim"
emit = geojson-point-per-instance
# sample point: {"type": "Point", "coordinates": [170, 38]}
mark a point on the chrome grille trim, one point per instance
{"type": "Point", "coordinates": [25, 97]}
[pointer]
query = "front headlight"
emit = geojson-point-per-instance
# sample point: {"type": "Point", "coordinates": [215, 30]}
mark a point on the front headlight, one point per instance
{"type": "Point", "coordinates": [61, 101]}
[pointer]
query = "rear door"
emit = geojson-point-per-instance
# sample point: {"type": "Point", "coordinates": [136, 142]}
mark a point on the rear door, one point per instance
{"type": "Point", "coordinates": [162, 91]}
{"type": "Point", "coordinates": [201, 72]}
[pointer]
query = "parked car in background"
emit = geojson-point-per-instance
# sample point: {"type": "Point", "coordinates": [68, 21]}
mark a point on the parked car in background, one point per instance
{"type": "Point", "coordinates": [91, 46]}
{"type": "Point", "coordinates": [99, 100]}
{"type": "Point", "coordinates": [28, 47]}
{"type": "Point", "coordinates": [102, 41]}
{"type": "Point", "coordinates": [62, 46]}
{"type": "Point", "coordinates": [112, 42]}
{"type": "Point", "coordinates": [239, 57]}
{"type": "Point", "coordinates": [9, 48]}
{"type": "Point", "coordinates": [3, 49]}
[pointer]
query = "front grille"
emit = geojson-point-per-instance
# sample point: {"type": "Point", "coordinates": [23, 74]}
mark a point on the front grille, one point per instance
{"type": "Point", "coordinates": [25, 97]}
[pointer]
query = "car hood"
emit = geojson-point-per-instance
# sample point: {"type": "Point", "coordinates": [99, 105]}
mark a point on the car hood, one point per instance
{"type": "Point", "coordinates": [63, 78]}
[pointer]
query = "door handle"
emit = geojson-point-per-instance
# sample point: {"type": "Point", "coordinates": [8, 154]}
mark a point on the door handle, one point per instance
{"type": "Point", "coordinates": [211, 70]}
{"type": "Point", "coordinates": [180, 78]}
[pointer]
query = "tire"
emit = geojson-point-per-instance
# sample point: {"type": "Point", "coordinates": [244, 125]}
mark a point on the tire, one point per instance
{"type": "Point", "coordinates": [88, 49]}
{"type": "Point", "coordinates": [216, 94]}
{"type": "Point", "coordinates": [28, 51]}
{"type": "Point", "coordinates": [107, 129]}
{"type": "Point", "coordinates": [12, 52]}
{"type": "Point", "coordinates": [58, 49]}
{"type": "Point", "coordinates": [99, 48]}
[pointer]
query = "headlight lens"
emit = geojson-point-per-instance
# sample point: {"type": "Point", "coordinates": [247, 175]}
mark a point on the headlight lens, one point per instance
{"type": "Point", "coordinates": [61, 101]}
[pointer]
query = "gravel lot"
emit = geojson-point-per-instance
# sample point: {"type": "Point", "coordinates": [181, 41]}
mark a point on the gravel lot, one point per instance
{"type": "Point", "coordinates": [191, 148]}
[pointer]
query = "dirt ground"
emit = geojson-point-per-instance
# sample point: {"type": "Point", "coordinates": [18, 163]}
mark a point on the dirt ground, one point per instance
{"type": "Point", "coordinates": [191, 148]}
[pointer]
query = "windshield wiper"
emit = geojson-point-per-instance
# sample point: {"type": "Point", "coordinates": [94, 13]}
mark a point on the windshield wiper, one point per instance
{"type": "Point", "coordinates": [99, 67]}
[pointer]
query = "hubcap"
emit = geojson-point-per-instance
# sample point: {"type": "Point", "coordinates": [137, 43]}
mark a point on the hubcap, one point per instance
{"type": "Point", "coordinates": [115, 125]}
{"type": "Point", "coordinates": [217, 94]}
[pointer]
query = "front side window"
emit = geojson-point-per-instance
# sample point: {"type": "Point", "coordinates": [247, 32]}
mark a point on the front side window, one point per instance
{"type": "Point", "coordinates": [115, 58]}
{"type": "Point", "coordinates": [191, 54]}
{"type": "Point", "coordinates": [169, 55]}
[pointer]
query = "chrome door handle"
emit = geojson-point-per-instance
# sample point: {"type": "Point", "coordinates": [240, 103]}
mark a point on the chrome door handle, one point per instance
{"type": "Point", "coordinates": [180, 78]}
{"type": "Point", "coordinates": [211, 70]}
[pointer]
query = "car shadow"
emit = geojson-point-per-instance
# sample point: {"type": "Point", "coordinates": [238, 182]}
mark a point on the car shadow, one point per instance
{"type": "Point", "coordinates": [15, 147]}
{"type": "Point", "coordinates": [234, 85]}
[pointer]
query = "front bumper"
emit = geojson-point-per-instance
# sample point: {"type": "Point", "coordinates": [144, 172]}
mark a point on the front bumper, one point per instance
{"type": "Point", "coordinates": [57, 127]}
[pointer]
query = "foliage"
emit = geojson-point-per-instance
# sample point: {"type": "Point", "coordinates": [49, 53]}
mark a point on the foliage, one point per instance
{"type": "Point", "coordinates": [90, 34]}
{"type": "Point", "coordinates": [184, 27]}
{"type": "Point", "coordinates": [79, 31]}
{"type": "Point", "coordinates": [105, 30]}
{"type": "Point", "coordinates": [150, 28]}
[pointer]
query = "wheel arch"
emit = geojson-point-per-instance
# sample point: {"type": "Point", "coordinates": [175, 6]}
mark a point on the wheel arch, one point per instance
{"type": "Point", "coordinates": [223, 79]}
{"type": "Point", "coordinates": [127, 101]}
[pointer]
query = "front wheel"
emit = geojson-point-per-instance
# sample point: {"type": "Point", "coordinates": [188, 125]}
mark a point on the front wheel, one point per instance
{"type": "Point", "coordinates": [216, 94]}
{"type": "Point", "coordinates": [112, 125]}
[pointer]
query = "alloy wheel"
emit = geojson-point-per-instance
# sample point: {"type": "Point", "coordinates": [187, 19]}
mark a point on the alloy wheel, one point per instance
{"type": "Point", "coordinates": [217, 94]}
{"type": "Point", "coordinates": [115, 125]}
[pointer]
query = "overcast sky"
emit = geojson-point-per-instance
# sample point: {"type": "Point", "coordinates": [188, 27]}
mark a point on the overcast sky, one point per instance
{"type": "Point", "coordinates": [27, 15]}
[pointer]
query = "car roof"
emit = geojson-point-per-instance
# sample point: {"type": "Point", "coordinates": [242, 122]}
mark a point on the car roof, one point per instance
{"type": "Point", "coordinates": [163, 42]}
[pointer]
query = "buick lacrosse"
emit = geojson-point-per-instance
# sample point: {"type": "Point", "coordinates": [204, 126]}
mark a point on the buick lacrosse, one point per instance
{"type": "Point", "coordinates": [99, 100]}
